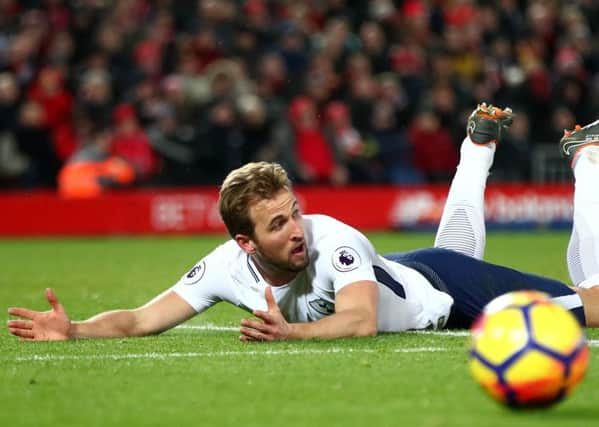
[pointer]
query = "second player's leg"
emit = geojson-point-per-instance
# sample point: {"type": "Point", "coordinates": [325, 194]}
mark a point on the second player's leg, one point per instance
{"type": "Point", "coordinates": [462, 225]}
{"type": "Point", "coordinates": [583, 249]}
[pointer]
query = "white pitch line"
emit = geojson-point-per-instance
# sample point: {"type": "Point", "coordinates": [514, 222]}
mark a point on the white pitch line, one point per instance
{"type": "Point", "coordinates": [442, 333]}
{"type": "Point", "coordinates": [421, 350]}
{"type": "Point", "coordinates": [209, 327]}
{"type": "Point", "coordinates": [175, 355]}
{"type": "Point", "coordinates": [439, 333]}
{"type": "Point", "coordinates": [213, 327]}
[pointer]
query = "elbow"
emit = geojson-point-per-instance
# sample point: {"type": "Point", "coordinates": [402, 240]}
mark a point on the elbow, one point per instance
{"type": "Point", "coordinates": [366, 332]}
{"type": "Point", "coordinates": [369, 332]}
{"type": "Point", "coordinates": [367, 328]}
{"type": "Point", "coordinates": [136, 330]}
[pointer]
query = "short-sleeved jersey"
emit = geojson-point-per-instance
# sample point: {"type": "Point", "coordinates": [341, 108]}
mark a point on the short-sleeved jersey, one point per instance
{"type": "Point", "coordinates": [339, 256]}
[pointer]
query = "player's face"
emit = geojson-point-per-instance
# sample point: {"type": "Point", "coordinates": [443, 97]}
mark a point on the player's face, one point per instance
{"type": "Point", "coordinates": [279, 243]}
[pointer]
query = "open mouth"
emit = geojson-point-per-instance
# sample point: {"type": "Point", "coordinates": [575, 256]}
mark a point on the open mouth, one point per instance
{"type": "Point", "coordinates": [298, 250]}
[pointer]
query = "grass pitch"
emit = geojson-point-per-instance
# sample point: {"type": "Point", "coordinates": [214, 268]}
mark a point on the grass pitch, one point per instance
{"type": "Point", "coordinates": [202, 375]}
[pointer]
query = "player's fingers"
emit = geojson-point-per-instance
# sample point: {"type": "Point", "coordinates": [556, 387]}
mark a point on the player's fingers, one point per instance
{"type": "Point", "coordinates": [53, 300]}
{"type": "Point", "coordinates": [22, 312]}
{"type": "Point", "coordinates": [20, 324]}
{"type": "Point", "coordinates": [247, 323]}
{"type": "Point", "coordinates": [259, 326]}
{"type": "Point", "coordinates": [255, 334]}
{"type": "Point", "coordinates": [23, 333]}
{"type": "Point", "coordinates": [248, 332]}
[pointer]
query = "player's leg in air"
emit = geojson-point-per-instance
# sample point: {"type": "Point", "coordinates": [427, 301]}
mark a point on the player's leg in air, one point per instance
{"type": "Point", "coordinates": [462, 225]}
{"type": "Point", "coordinates": [581, 146]}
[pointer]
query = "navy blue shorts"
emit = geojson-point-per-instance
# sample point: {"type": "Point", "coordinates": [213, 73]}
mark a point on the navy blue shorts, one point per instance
{"type": "Point", "coordinates": [473, 283]}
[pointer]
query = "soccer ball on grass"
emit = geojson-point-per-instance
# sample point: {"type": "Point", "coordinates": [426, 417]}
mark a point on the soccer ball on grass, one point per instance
{"type": "Point", "coordinates": [527, 351]}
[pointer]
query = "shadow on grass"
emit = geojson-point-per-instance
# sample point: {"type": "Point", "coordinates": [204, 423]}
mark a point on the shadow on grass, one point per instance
{"type": "Point", "coordinates": [566, 412]}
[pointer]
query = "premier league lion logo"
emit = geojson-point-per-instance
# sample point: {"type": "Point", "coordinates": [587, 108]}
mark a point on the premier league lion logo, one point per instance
{"type": "Point", "coordinates": [195, 274]}
{"type": "Point", "coordinates": [346, 259]}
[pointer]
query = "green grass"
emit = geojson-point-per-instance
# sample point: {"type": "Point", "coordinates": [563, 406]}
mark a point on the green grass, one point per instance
{"type": "Point", "coordinates": [208, 378]}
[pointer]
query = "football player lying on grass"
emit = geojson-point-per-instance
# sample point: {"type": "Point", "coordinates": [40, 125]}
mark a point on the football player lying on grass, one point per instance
{"type": "Point", "coordinates": [306, 276]}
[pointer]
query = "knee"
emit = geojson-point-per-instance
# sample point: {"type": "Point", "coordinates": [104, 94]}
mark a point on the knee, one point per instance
{"type": "Point", "coordinates": [590, 304]}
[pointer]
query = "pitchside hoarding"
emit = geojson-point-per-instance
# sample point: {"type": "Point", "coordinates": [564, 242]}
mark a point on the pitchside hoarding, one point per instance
{"type": "Point", "coordinates": [182, 211]}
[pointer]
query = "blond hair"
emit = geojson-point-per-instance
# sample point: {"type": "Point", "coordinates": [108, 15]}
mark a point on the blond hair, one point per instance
{"type": "Point", "coordinates": [250, 183]}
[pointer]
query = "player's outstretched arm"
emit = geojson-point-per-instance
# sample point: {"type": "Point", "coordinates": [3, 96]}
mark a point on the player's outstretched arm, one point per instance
{"type": "Point", "coordinates": [355, 315]}
{"type": "Point", "coordinates": [162, 313]}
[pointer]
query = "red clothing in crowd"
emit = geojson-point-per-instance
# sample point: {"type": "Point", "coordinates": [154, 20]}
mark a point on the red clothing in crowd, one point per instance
{"type": "Point", "coordinates": [131, 144]}
{"type": "Point", "coordinates": [312, 149]}
{"type": "Point", "coordinates": [315, 153]}
{"type": "Point", "coordinates": [135, 149]}
{"type": "Point", "coordinates": [56, 101]}
{"type": "Point", "coordinates": [434, 150]}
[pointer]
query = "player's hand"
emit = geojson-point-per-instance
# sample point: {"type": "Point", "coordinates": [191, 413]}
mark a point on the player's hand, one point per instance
{"type": "Point", "coordinates": [271, 327]}
{"type": "Point", "coordinates": [52, 325]}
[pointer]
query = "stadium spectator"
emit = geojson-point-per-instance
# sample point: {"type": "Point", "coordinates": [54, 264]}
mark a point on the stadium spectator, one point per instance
{"type": "Point", "coordinates": [435, 154]}
{"type": "Point", "coordinates": [257, 129]}
{"type": "Point", "coordinates": [445, 106]}
{"type": "Point", "coordinates": [395, 153]}
{"type": "Point", "coordinates": [9, 102]}
{"type": "Point", "coordinates": [49, 91]}
{"type": "Point", "coordinates": [92, 169]}
{"type": "Point", "coordinates": [321, 81]}
{"type": "Point", "coordinates": [272, 78]}
{"type": "Point", "coordinates": [561, 118]}
{"type": "Point", "coordinates": [374, 45]}
{"type": "Point", "coordinates": [267, 134]}
{"type": "Point", "coordinates": [131, 143]}
{"type": "Point", "coordinates": [34, 141]}
{"type": "Point", "coordinates": [220, 125]}
{"type": "Point", "coordinates": [354, 152]}
{"type": "Point", "coordinates": [392, 93]}
{"type": "Point", "coordinates": [176, 145]}
{"type": "Point", "coordinates": [20, 56]}
{"type": "Point", "coordinates": [361, 99]}
{"type": "Point", "coordinates": [512, 162]}
{"type": "Point", "coordinates": [12, 163]}
{"type": "Point", "coordinates": [94, 96]}
{"type": "Point", "coordinates": [176, 95]}
{"type": "Point", "coordinates": [316, 160]}
{"type": "Point", "coordinates": [311, 276]}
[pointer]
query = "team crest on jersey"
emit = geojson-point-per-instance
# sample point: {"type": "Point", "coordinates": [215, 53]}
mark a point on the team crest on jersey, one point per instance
{"type": "Point", "coordinates": [346, 259]}
{"type": "Point", "coordinates": [322, 306]}
{"type": "Point", "coordinates": [195, 274]}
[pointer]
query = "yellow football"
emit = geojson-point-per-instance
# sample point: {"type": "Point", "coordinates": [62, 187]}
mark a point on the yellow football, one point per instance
{"type": "Point", "coordinates": [527, 351]}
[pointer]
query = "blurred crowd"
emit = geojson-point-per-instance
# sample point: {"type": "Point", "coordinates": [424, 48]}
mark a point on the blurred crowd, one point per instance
{"type": "Point", "coordinates": [99, 93]}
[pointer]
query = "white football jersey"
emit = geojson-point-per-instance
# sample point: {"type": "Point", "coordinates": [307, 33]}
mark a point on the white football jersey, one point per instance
{"type": "Point", "coordinates": [339, 255]}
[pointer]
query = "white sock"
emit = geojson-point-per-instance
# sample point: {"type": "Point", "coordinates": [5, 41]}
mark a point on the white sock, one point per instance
{"type": "Point", "coordinates": [583, 248]}
{"type": "Point", "coordinates": [462, 225]}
